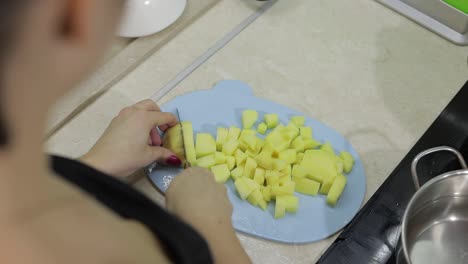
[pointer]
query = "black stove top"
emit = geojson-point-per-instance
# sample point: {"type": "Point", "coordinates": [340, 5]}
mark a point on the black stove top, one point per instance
{"type": "Point", "coordinates": [373, 235]}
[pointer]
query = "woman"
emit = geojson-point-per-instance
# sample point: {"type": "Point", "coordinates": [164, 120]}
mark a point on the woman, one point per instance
{"type": "Point", "coordinates": [78, 214]}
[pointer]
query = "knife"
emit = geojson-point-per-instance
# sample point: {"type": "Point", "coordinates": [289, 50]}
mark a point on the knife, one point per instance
{"type": "Point", "coordinates": [186, 163]}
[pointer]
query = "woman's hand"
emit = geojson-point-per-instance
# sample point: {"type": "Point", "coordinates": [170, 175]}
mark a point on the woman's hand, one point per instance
{"type": "Point", "coordinates": [132, 141]}
{"type": "Point", "coordinates": [196, 198]}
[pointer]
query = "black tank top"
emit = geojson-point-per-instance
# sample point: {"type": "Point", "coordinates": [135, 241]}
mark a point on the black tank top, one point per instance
{"type": "Point", "coordinates": [182, 243]}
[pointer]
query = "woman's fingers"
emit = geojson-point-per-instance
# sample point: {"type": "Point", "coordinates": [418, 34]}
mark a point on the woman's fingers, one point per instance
{"type": "Point", "coordinates": [148, 105]}
{"type": "Point", "coordinates": [164, 156]}
{"type": "Point", "coordinates": [155, 137]}
{"type": "Point", "coordinates": [157, 119]}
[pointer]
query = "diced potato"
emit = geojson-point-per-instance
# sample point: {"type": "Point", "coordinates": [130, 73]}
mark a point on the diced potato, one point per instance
{"type": "Point", "coordinates": [189, 143]}
{"type": "Point", "coordinates": [336, 190]}
{"type": "Point", "coordinates": [230, 147]}
{"type": "Point", "coordinates": [249, 169]}
{"type": "Point", "coordinates": [280, 209]}
{"type": "Point", "coordinates": [310, 143]}
{"type": "Point", "coordinates": [205, 145]}
{"type": "Point", "coordinates": [252, 183]}
{"type": "Point", "coordinates": [263, 204]}
{"type": "Point", "coordinates": [286, 171]}
{"type": "Point", "coordinates": [291, 202]}
{"type": "Point", "coordinates": [279, 164]}
{"type": "Point", "coordinates": [264, 160]}
{"type": "Point", "coordinates": [271, 120]}
{"type": "Point", "coordinates": [249, 117]}
{"type": "Point", "coordinates": [339, 165]}
{"type": "Point", "coordinates": [288, 155]}
{"type": "Point", "coordinates": [287, 189]}
{"type": "Point", "coordinates": [262, 128]}
{"type": "Point", "coordinates": [319, 165]}
{"type": "Point", "coordinates": [328, 148]}
{"type": "Point", "coordinates": [253, 197]}
{"type": "Point", "coordinates": [298, 144]}
{"type": "Point", "coordinates": [293, 130]}
{"type": "Point", "coordinates": [221, 137]}
{"type": "Point", "coordinates": [306, 132]}
{"type": "Point", "coordinates": [240, 157]}
{"type": "Point", "coordinates": [260, 144]}
{"type": "Point", "coordinates": [251, 153]}
{"type": "Point", "coordinates": [233, 133]}
{"type": "Point", "coordinates": [284, 180]}
{"type": "Point", "coordinates": [300, 157]}
{"type": "Point", "coordinates": [250, 141]}
{"type": "Point", "coordinates": [247, 132]}
{"type": "Point", "coordinates": [243, 188]}
{"type": "Point", "coordinates": [219, 157]}
{"type": "Point", "coordinates": [268, 148]}
{"type": "Point", "coordinates": [221, 173]}
{"type": "Point", "coordinates": [173, 140]}
{"type": "Point", "coordinates": [298, 120]}
{"type": "Point", "coordinates": [327, 183]}
{"type": "Point", "coordinates": [306, 186]}
{"type": "Point", "coordinates": [231, 162]}
{"type": "Point", "coordinates": [206, 161]}
{"type": "Point", "coordinates": [299, 171]}
{"type": "Point", "coordinates": [266, 193]}
{"type": "Point", "coordinates": [259, 176]}
{"type": "Point", "coordinates": [272, 177]}
{"type": "Point", "coordinates": [237, 172]}
{"type": "Point", "coordinates": [348, 161]}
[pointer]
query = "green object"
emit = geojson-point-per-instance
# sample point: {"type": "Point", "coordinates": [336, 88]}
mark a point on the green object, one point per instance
{"type": "Point", "coordinates": [461, 5]}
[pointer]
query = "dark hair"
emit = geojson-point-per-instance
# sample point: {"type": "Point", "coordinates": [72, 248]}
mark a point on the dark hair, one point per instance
{"type": "Point", "coordinates": [9, 12]}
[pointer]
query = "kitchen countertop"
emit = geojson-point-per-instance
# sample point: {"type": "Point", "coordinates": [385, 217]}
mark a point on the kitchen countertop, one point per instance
{"type": "Point", "coordinates": [374, 76]}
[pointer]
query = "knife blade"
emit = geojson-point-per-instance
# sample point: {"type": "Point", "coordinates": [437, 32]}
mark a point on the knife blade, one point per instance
{"type": "Point", "coordinates": [186, 163]}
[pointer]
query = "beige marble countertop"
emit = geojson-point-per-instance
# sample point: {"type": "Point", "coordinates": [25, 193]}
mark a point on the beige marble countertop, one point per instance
{"type": "Point", "coordinates": [374, 76]}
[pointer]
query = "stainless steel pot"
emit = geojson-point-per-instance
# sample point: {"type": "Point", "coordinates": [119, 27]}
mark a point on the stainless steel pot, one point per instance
{"type": "Point", "coordinates": [435, 223]}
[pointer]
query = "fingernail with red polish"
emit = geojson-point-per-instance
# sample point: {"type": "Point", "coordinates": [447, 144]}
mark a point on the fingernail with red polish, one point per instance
{"type": "Point", "coordinates": [174, 161]}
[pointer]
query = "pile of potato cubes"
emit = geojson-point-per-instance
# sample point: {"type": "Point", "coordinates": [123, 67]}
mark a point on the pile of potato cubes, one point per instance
{"type": "Point", "coordinates": [287, 160]}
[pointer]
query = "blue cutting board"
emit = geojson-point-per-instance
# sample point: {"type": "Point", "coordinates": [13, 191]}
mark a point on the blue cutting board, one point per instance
{"type": "Point", "coordinates": [314, 220]}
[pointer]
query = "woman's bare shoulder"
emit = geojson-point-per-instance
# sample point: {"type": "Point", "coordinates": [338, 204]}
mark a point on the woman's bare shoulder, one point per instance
{"type": "Point", "coordinates": [76, 229]}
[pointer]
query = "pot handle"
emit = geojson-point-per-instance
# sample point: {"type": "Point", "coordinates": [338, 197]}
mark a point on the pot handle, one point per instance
{"type": "Point", "coordinates": [416, 160]}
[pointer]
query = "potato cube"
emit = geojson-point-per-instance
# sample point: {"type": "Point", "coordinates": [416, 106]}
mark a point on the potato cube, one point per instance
{"type": "Point", "coordinates": [327, 184]}
{"type": "Point", "coordinates": [339, 165]}
{"type": "Point", "coordinates": [266, 193]}
{"type": "Point", "coordinates": [233, 133]}
{"type": "Point", "coordinates": [271, 120]}
{"type": "Point", "coordinates": [240, 157]}
{"type": "Point", "coordinates": [320, 165]}
{"type": "Point", "coordinates": [230, 147]}
{"type": "Point", "coordinates": [298, 120]}
{"type": "Point", "coordinates": [243, 188]}
{"type": "Point", "coordinates": [305, 132]}
{"type": "Point", "coordinates": [310, 143]}
{"type": "Point", "coordinates": [206, 161]}
{"type": "Point", "coordinates": [286, 171]}
{"type": "Point", "coordinates": [221, 137]}
{"type": "Point", "coordinates": [328, 148]}
{"type": "Point", "coordinates": [247, 132]}
{"type": "Point", "coordinates": [260, 144]}
{"type": "Point", "coordinates": [284, 180]}
{"type": "Point", "coordinates": [249, 117]}
{"type": "Point", "coordinates": [306, 186]}
{"type": "Point", "coordinates": [300, 157]}
{"type": "Point", "coordinates": [298, 144]}
{"type": "Point", "coordinates": [264, 160]}
{"type": "Point", "coordinates": [231, 162]}
{"type": "Point", "coordinates": [205, 145]}
{"type": "Point", "coordinates": [272, 177]}
{"type": "Point", "coordinates": [219, 157]}
{"type": "Point", "coordinates": [280, 209]}
{"type": "Point", "coordinates": [291, 202]}
{"type": "Point", "coordinates": [250, 141]}
{"type": "Point", "coordinates": [237, 172]}
{"type": "Point", "coordinates": [287, 189]}
{"type": "Point", "coordinates": [189, 143]}
{"type": "Point", "coordinates": [252, 183]}
{"type": "Point", "coordinates": [249, 169]}
{"type": "Point", "coordinates": [251, 153]}
{"type": "Point", "coordinates": [348, 161]}
{"type": "Point", "coordinates": [336, 190]}
{"type": "Point", "coordinates": [279, 164]}
{"type": "Point", "coordinates": [299, 171]}
{"type": "Point", "coordinates": [288, 155]}
{"type": "Point", "coordinates": [256, 199]}
{"type": "Point", "coordinates": [221, 173]}
{"type": "Point", "coordinates": [259, 176]}
{"type": "Point", "coordinates": [262, 128]}
{"type": "Point", "coordinates": [292, 130]}
{"type": "Point", "coordinates": [268, 148]}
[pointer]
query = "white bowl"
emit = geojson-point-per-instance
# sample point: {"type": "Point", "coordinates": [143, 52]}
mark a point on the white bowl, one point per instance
{"type": "Point", "coordinates": [146, 17]}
